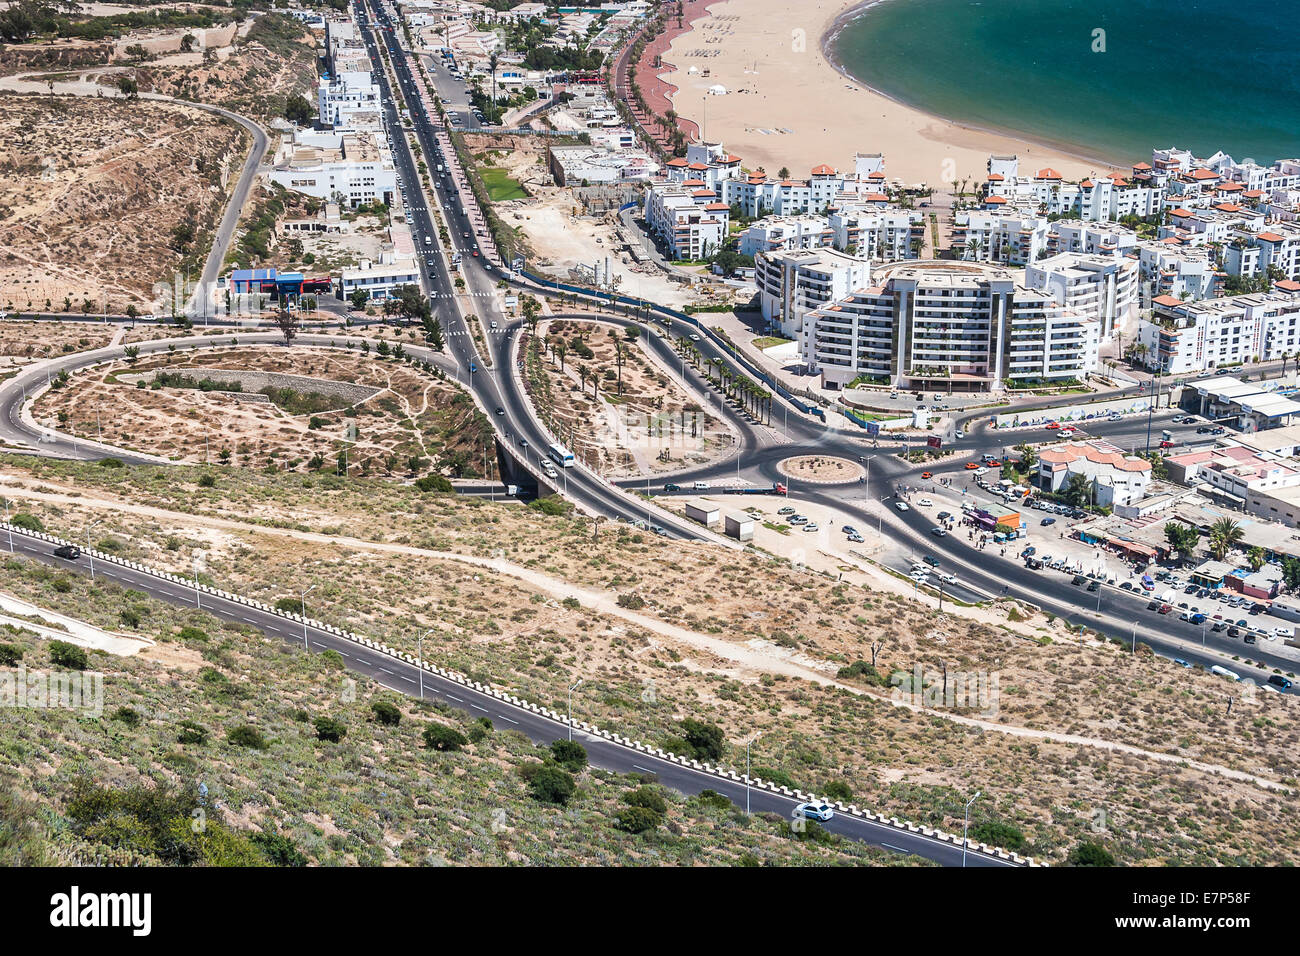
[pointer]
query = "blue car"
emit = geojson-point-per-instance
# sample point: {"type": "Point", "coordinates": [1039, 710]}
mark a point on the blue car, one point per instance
{"type": "Point", "coordinates": [1181, 663]}
{"type": "Point", "coordinates": [1047, 521]}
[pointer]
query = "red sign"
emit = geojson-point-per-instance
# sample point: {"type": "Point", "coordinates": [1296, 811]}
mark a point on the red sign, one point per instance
{"type": "Point", "coordinates": [934, 441]}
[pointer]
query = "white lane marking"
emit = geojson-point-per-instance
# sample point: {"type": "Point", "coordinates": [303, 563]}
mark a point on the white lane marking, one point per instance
{"type": "Point", "coordinates": [456, 699]}
{"type": "Point", "coordinates": [642, 769]}
{"type": "Point", "coordinates": [505, 718]}
{"type": "Point", "coordinates": [898, 848]}
{"type": "Point", "coordinates": [477, 707]}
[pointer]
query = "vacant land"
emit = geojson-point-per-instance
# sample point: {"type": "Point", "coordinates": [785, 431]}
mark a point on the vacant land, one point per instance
{"type": "Point", "coordinates": [324, 770]}
{"type": "Point", "coordinates": [1081, 741]}
{"type": "Point", "coordinates": [628, 420]}
{"type": "Point", "coordinates": [101, 200]}
{"type": "Point", "coordinates": [406, 415]}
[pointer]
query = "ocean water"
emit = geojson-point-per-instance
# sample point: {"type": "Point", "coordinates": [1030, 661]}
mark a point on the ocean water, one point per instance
{"type": "Point", "coordinates": [1200, 74]}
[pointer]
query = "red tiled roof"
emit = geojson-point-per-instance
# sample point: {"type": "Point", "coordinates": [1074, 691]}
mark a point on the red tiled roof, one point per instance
{"type": "Point", "coordinates": [1048, 173]}
{"type": "Point", "coordinates": [716, 206]}
{"type": "Point", "coordinates": [1271, 237]}
{"type": "Point", "coordinates": [996, 177]}
{"type": "Point", "coordinates": [996, 200]}
{"type": "Point", "coordinates": [1287, 285]}
{"type": "Point", "coordinates": [676, 162]}
{"type": "Point", "coordinates": [1204, 174]}
{"type": "Point", "coordinates": [823, 170]}
{"type": "Point", "coordinates": [1169, 300]}
{"type": "Point", "coordinates": [1071, 452]}
{"type": "Point", "coordinates": [1141, 165]}
{"type": "Point", "coordinates": [1182, 213]}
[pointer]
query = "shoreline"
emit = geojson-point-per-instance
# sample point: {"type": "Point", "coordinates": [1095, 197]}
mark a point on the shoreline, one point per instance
{"type": "Point", "coordinates": [736, 43]}
{"type": "Point", "coordinates": [1073, 150]}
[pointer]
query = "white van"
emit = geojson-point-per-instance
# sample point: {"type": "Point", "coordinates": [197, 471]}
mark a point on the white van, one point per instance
{"type": "Point", "coordinates": [701, 486]}
{"type": "Point", "coordinates": [1224, 672]}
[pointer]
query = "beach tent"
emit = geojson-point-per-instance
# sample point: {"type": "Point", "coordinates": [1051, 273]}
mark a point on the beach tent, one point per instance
{"type": "Point", "coordinates": [717, 89]}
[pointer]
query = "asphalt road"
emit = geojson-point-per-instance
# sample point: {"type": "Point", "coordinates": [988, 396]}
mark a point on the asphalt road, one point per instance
{"type": "Point", "coordinates": [407, 679]}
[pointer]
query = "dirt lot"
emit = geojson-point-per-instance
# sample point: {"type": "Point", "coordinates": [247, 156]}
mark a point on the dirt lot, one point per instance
{"type": "Point", "coordinates": [92, 193]}
{"type": "Point", "coordinates": [654, 426]}
{"type": "Point", "coordinates": [411, 414]}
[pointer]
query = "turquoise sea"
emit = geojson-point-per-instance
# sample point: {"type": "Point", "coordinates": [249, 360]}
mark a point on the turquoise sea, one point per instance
{"type": "Point", "coordinates": [1200, 74]}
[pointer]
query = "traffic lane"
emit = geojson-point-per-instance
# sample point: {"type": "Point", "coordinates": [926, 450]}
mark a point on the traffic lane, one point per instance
{"type": "Point", "coordinates": [409, 680]}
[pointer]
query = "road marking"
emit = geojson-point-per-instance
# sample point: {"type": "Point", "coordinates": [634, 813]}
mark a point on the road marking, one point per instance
{"type": "Point", "coordinates": [898, 848]}
{"type": "Point", "coordinates": [477, 707]}
{"type": "Point", "coordinates": [386, 670]}
{"type": "Point", "coordinates": [641, 768]}
{"type": "Point", "coordinates": [456, 699]}
{"type": "Point", "coordinates": [505, 718]}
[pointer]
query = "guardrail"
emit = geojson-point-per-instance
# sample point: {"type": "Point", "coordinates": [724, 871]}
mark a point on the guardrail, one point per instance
{"type": "Point", "coordinates": [722, 773]}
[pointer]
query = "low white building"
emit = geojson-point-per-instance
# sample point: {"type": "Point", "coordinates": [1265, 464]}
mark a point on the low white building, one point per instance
{"type": "Point", "coordinates": [1117, 479]}
{"type": "Point", "coordinates": [784, 233]}
{"type": "Point", "coordinates": [378, 280]}
{"type": "Point", "coordinates": [352, 169]}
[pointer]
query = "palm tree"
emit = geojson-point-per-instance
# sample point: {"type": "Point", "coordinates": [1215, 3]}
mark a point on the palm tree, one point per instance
{"type": "Point", "coordinates": [559, 350]}
{"type": "Point", "coordinates": [492, 64]}
{"type": "Point", "coordinates": [618, 357]}
{"type": "Point", "coordinates": [1225, 534]}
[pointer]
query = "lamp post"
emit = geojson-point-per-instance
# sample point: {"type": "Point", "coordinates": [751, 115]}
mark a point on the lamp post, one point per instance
{"type": "Point", "coordinates": [11, 530]}
{"type": "Point", "coordinates": [748, 744]}
{"type": "Point", "coordinates": [966, 826]}
{"type": "Point", "coordinates": [569, 715]}
{"type": "Point", "coordinates": [303, 609]}
{"type": "Point", "coordinates": [198, 601]}
{"type": "Point", "coordinates": [90, 554]}
{"type": "Point", "coordinates": [419, 658]}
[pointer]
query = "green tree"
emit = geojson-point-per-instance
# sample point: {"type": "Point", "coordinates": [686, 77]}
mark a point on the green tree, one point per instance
{"type": "Point", "coordinates": [63, 654]}
{"type": "Point", "coordinates": [569, 754]}
{"type": "Point", "coordinates": [552, 784]}
{"type": "Point", "coordinates": [442, 737]}
{"type": "Point", "coordinates": [1225, 534]}
{"type": "Point", "coordinates": [1090, 854]}
{"type": "Point", "coordinates": [330, 729]}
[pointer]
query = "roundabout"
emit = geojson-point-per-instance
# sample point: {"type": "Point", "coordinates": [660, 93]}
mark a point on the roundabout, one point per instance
{"type": "Point", "coordinates": [821, 469]}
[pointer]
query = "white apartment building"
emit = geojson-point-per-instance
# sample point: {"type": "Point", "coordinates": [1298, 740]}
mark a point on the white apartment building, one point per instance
{"type": "Point", "coordinates": [784, 233]}
{"type": "Point", "coordinates": [1099, 199]}
{"type": "Point", "coordinates": [1190, 337]}
{"type": "Point", "coordinates": [1171, 270]}
{"type": "Point", "coordinates": [1090, 238]}
{"type": "Point", "coordinates": [378, 280]}
{"type": "Point", "coordinates": [791, 284]}
{"type": "Point", "coordinates": [688, 218]}
{"type": "Point", "coordinates": [1004, 236]}
{"type": "Point", "coordinates": [1100, 288]}
{"type": "Point", "coordinates": [1276, 246]}
{"type": "Point", "coordinates": [352, 169]}
{"type": "Point", "coordinates": [1117, 479]}
{"type": "Point", "coordinates": [941, 325]}
{"type": "Point", "coordinates": [875, 231]}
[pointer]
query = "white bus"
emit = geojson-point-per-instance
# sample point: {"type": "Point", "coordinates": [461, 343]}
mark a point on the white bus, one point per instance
{"type": "Point", "coordinates": [562, 456]}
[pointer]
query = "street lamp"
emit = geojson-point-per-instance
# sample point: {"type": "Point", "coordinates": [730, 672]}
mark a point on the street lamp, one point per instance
{"type": "Point", "coordinates": [748, 744]}
{"type": "Point", "coordinates": [966, 826]}
{"type": "Point", "coordinates": [90, 554]}
{"type": "Point", "coordinates": [11, 530]}
{"type": "Point", "coordinates": [569, 716]}
{"type": "Point", "coordinates": [303, 609]}
{"type": "Point", "coordinates": [419, 658]}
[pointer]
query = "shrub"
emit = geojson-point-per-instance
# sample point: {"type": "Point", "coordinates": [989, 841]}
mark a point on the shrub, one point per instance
{"type": "Point", "coordinates": [572, 603]}
{"type": "Point", "coordinates": [127, 716]}
{"type": "Point", "coordinates": [647, 798]}
{"type": "Point", "coordinates": [327, 728]}
{"type": "Point", "coordinates": [61, 585]}
{"type": "Point", "coordinates": [111, 463]}
{"type": "Point", "coordinates": [863, 670]}
{"type": "Point", "coordinates": [332, 659]}
{"type": "Point", "coordinates": [552, 784]}
{"type": "Point", "coordinates": [705, 739]}
{"type": "Point", "coordinates": [442, 737]}
{"type": "Point", "coordinates": [837, 790]}
{"type": "Point", "coordinates": [192, 733]}
{"type": "Point", "coordinates": [246, 736]}
{"type": "Point", "coordinates": [569, 754]}
{"type": "Point", "coordinates": [713, 799]}
{"type": "Point", "coordinates": [435, 483]}
{"type": "Point", "coordinates": [631, 601]}
{"type": "Point", "coordinates": [638, 820]}
{"type": "Point", "coordinates": [998, 834]}
{"type": "Point", "coordinates": [289, 605]}
{"type": "Point", "coordinates": [129, 617]}
{"type": "Point", "coordinates": [207, 480]}
{"type": "Point", "coordinates": [774, 775]}
{"type": "Point", "coordinates": [278, 849]}
{"type": "Point", "coordinates": [10, 654]}
{"type": "Point", "coordinates": [386, 713]}
{"type": "Point", "coordinates": [63, 654]}
{"type": "Point", "coordinates": [189, 633]}
{"type": "Point", "coordinates": [1090, 854]}
{"type": "Point", "coordinates": [27, 521]}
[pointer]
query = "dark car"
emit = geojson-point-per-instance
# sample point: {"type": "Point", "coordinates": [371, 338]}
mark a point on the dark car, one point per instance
{"type": "Point", "coordinates": [1249, 638]}
{"type": "Point", "coordinates": [1277, 680]}
{"type": "Point", "coordinates": [1033, 564]}
{"type": "Point", "coordinates": [500, 410]}
{"type": "Point", "coordinates": [1203, 430]}
{"type": "Point", "coordinates": [1234, 631]}
{"type": "Point", "coordinates": [931, 560]}
{"type": "Point", "coordinates": [1153, 605]}
{"type": "Point", "coordinates": [69, 551]}
{"type": "Point", "coordinates": [670, 488]}
{"type": "Point", "coordinates": [1190, 589]}
{"type": "Point", "coordinates": [1126, 586]}
{"type": "Point", "coordinates": [1078, 579]}
{"type": "Point", "coordinates": [1047, 521]}
{"type": "Point", "coordinates": [1029, 550]}
{"type": "Point", "coordinates": [1094, 585]}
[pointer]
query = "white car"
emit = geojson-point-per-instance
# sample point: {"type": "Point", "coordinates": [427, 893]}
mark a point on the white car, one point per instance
{"type": "Point", "coordinates": [959, 434]}
{"type": "Point", "coordinates": [810, 526]}
{"type": "Point", "coordinates": [901, 505]}
{"type": "Point", "coordinates": [925, 503]}
{"type": "Point", "coordinates": [947, 577]}
{"type": "Point", "coordinates": [814, 811]}
{"type": "Point", "coordinates": [1066, 432]}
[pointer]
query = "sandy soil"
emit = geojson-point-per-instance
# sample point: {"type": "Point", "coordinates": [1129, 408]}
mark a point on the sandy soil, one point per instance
{"type": "Point", "coordinates": [410, 414]}
{"type": "Point", "coordinates": [653, 427]}
{"type": "Point", "coordinates": [786, 105]}
{"type": "Point", "coordinates": [90, 194]}
{"type": "Point", "coordinates": [822, 470]}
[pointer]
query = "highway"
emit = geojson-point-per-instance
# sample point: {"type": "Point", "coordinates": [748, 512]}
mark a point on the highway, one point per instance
{"type": "Point", "coordinates": [408, 679]}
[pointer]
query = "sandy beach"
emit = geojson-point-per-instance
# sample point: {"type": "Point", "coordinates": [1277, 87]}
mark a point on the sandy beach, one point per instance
{"type": "Point", "coordinates": [787, 106]}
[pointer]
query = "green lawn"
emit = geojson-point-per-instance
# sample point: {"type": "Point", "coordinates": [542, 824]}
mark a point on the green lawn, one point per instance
{"type": "Point", "coordinates": [501, 187]}
{"type": "Point", "coordinates": [769, 341]}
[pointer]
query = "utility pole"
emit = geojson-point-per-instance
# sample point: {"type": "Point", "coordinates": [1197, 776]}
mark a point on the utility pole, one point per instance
{"type": "Point", "coordinates": [90, 554]}
{"type": "Point", "coordinates": [748, 744]}
{"type": "Point", "coordinates": [572, 688]}
{"type": "Point", "coordinates": [965, 827]}
{"type": "Point", "coordinates": [303, 609]}
{"type": "Point", "coordinates": [419, 658]}
{"type": "Point", "coordinates": [10, 529]}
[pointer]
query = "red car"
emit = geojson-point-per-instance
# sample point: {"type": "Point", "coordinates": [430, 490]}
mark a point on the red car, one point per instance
{"type": "Point", "coordinates": [1052, 425]}
{"type": "Point", "coordinates": [971, 466]}
{"type": "Point", "coordinates": [1165, 609]}
{"type": "Point", "coordinates": [926, 474]}
{"type": "Point", "coordinates": [1166, 444]}
{"type": "Point", "coordinates": [993, 463]}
